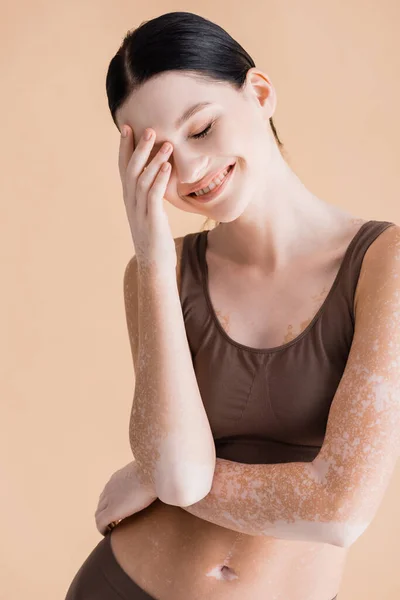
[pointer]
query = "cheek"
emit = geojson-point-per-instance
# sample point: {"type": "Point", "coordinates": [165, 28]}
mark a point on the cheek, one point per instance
{"type": "Point", "coordinates": [180, 204]}
{"type": "Point", "coordinates": [175, 200]}
{"type": "Point", "coordinates": [171, 194]}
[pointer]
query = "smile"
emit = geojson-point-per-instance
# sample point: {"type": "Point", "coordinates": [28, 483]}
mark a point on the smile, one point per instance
{"type": "Point", "coordinates": [218, 189]}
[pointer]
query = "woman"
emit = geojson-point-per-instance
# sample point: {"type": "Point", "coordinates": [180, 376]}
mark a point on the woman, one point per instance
{"type": "Point", "coordinates": [266, 453]}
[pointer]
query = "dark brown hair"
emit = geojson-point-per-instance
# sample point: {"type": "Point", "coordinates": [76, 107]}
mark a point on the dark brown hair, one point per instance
{"type": "Point", "coordinates": [177, 41]}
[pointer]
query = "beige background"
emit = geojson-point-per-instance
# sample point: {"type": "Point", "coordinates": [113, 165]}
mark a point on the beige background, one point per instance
{"type": "Point", "coordinates": [66, 373]}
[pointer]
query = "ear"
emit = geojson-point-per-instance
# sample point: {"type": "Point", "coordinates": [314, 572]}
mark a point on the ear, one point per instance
{"type": "Point", "coordinates": [259, 85]}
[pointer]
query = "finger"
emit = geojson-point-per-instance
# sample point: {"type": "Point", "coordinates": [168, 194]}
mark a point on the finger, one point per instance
{"type": "Point", "coordinates": [148, 181]}
{"type": "Point", "coordinates": [126, 148]}
{"type": "Point", "coordinates": [103, 503]}
{"type": "Point", "coordinates": [102, 520]}
{"type": "Point", "coordinates": [148, 175]}
{"type": "Point", "coordinates": [132, 160]}
{"type": "Point", "coordinates": [101, 526]}
{"type": "Point", "coordinates": [157, 191]}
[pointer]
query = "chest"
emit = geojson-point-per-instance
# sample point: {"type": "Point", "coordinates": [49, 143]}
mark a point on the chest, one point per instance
{"type": "Point", "coordinates": [261, 312]}
{"type": "Point", "coordinates": [264, 403]}
{"type": "Point", "coordinates": [273, 406]}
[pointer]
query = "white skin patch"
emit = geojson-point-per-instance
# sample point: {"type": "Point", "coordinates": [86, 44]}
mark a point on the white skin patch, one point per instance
{"type": "Point", "coordinates": [334, 498]}
{"type": "Point", "coordinates": [222, 573]}
{"type": "Point", "coordinates": [157, 430]}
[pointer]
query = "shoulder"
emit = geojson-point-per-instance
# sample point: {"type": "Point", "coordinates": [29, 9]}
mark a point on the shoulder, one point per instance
{"type": "Point", "coordinates": [381, 265]}
{"type": "Point", "coordinates": [385, 245]}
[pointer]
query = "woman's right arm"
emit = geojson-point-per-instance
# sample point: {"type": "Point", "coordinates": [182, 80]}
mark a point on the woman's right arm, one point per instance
{"type": "Point", "coordinates": [169, 431]}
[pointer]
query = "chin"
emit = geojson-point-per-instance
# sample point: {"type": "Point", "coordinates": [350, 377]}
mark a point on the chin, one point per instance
{"type": "Point", "coordinates": [228, 213]}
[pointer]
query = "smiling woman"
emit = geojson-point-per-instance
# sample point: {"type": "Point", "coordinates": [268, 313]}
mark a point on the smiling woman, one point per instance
{"type": "Point", "coordinates": [207, 113]}
{"type": "Point", "coordinates": [265, 416]}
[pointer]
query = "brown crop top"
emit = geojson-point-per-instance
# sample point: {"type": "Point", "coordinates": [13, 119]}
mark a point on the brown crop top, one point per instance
{"type": "Point", "coordinates": [270, 405]}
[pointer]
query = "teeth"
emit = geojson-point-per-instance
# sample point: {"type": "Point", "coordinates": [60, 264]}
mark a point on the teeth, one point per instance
{"type": "Point", "coordinates": [215, 183]}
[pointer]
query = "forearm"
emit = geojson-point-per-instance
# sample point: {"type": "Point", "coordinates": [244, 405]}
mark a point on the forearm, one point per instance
{"type": "Point", "coordinates": [285, 501]}
{"type": "Point", "coordinates": [169, 432]}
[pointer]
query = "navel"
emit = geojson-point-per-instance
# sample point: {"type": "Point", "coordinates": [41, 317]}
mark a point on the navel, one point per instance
{"type": "Point", "coordinates": [223, 573]}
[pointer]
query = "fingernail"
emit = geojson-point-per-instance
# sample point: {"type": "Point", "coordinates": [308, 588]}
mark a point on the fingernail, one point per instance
{"type": "Point", "coordinates": [124, 131]}
{"type": "Point", "coordinates": [147, 134]}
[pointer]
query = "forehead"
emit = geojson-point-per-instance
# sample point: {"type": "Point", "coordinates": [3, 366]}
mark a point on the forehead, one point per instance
{"type": "Point", "coordinates": [159, 102]}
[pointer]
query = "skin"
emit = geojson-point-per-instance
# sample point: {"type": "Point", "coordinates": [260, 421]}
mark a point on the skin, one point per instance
{"type": "Point", "coordinates": [287, 224]}
{"type": "Point", "coordinates": [267, 202]}
{"type": "Point", "coordinates": [335, 501]}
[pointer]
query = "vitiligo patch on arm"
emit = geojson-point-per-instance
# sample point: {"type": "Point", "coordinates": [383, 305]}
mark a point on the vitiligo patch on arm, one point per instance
{"type": "Point", "coordinates": [362, 440]}
{"type": "Point", "coordinates": [334, 498]}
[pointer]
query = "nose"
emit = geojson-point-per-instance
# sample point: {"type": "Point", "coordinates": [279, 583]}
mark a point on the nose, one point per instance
{"type": "Point", "coordinates": [189, 170]}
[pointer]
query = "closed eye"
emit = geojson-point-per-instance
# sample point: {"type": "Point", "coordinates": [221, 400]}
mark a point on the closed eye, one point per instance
{"type": "Point", "coordinates": [204, 132]}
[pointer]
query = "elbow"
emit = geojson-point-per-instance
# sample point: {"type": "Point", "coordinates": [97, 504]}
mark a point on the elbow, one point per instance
{"type": "Point", "coordinates": [348, 524]}
{"type": "Point", "coordinates": [194, 494]}
{"type": "Point", "coordinates": [349, 532]}
{"type": "Point", "coordinates": [197, 484]}
{"type": "Point", "coordinates": [188, 490]}
{"type": "Point", "coordinates": [342, 534]}
{"type": "Point", "coordinates": [185, 498]}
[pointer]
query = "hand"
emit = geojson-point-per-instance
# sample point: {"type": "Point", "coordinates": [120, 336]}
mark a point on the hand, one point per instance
{"type": "Point", "coordinates": [125, 494]}
{"type": "Point", "coordinates": [143, 191]}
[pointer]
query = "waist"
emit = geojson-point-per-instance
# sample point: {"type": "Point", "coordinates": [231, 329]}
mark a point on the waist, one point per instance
{"type": "Point", "coordinates": [167, 540]}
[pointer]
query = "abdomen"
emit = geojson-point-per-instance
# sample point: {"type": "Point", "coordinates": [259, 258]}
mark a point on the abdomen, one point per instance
{"type": "Point", "coordinates": [173, 555]}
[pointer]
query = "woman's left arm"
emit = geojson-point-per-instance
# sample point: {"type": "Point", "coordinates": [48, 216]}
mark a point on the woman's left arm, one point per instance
{"type": "Point", "coordinates": [334, 498]}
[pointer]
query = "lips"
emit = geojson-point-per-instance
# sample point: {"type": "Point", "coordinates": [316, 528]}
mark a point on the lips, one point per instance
{"type": "Point", "coordinates": [193, 195]}
{"type": "Point", "coordinates": [218, 190]}
{"type": "Point", "coordinates": [207, 180]}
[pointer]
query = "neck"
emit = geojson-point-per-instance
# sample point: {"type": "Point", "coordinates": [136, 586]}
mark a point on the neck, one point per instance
{"type": "Point", "coordinates": [284, 223]}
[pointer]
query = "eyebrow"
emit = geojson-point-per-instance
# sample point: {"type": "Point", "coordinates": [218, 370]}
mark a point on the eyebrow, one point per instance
{"type": "Point", "coordinates": [189, 112]}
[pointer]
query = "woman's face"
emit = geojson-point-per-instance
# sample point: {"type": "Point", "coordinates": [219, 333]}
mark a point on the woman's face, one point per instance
{"type": "Point", "coordinates": [234, 127]}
